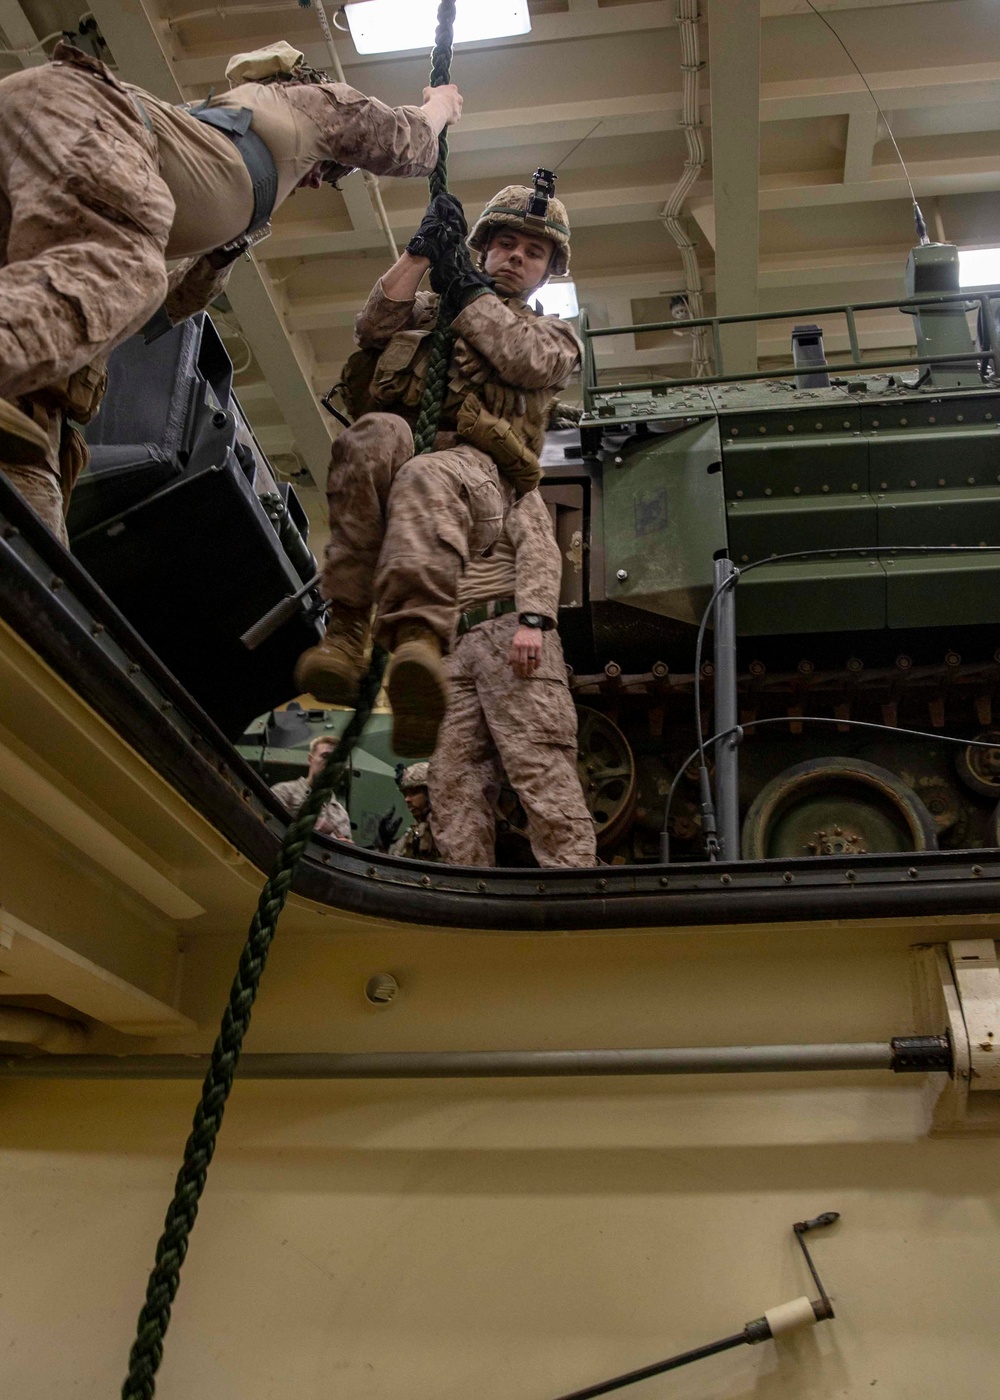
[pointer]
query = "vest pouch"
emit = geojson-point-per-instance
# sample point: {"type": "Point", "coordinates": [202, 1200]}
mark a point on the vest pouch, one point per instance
{"type": "Point", "coordinates": [80, 395]}
{"type": "Point", "coordinates": [500, 441]}
{"type": "Point", "coordinates": [355, 383]}
{"type": "Point", "coordinates": [401, 371]}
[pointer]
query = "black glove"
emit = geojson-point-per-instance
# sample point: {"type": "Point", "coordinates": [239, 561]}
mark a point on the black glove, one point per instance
{"type": "Point", "coordinates": [388, 829]}
{"type": "Point", "coordinates": [443, 228]}
{"type": "Point", "coordinates": [455, 279]}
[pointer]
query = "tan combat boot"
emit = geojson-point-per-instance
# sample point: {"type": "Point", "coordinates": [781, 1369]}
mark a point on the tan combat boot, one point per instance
{"type": "Point", "coordinates": [22, 442]}
{"type": "Point", "coordinates": [332, 670]}
{"type": "Point", "coordinates": [417, 687]}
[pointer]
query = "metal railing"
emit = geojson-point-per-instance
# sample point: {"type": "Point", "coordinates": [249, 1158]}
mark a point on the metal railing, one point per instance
{"type": "Point", "coordinates": [968, 300]}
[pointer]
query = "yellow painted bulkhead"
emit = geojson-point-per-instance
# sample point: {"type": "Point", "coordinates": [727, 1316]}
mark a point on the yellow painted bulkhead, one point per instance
{"type": "Point", "coordinates": [428, 1240]}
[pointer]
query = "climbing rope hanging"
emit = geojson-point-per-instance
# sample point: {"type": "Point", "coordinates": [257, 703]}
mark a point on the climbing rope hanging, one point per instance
{"type": "Point", "coordinates": [425, 428]}
{"type": "Point", "coordinates": [154, 1319]}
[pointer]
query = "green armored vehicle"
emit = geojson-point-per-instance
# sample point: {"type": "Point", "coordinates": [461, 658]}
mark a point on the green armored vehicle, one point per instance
{"type": "Point", "coordinates": [862, 511]}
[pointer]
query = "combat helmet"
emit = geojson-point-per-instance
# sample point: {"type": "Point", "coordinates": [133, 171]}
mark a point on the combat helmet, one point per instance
{"type": "Point", "coordinates": [529, 211]}
{"type": "Point", "coordinates": [414, 777]}
{"type": "Point", "coordinates": [274, 60]}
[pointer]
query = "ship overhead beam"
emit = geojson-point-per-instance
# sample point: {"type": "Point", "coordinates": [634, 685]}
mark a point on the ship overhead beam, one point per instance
{"type": "Point", "coordinates": [584, 20]}
{"type": "Point", "coordinates": [734, 48]}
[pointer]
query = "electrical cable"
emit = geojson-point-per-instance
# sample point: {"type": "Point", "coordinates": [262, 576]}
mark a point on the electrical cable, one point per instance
{"type": "Point", "coordinates": [32, 48]}
{"type": "Point", "coordinates": [918, 217]}
{"type": "Point", "coordinates": [707, 803]}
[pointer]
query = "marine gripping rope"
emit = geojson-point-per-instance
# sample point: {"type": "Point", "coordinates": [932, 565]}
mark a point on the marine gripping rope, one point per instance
{"type": "Point", "coordinates": [154, 1319]}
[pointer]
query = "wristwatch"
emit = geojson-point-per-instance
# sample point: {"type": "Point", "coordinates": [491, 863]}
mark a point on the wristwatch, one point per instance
{"type": "Point", "coordinates": [535, 620]}
{"type": "Point", "coordinates": [420, 247]}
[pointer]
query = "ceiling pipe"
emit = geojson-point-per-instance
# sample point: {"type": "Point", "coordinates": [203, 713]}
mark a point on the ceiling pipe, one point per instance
{"type": "Point", "coordinates": [22, 1025]}
{"type": "Point", "coordinates": [914, 1054]}
{"type": "Point", "coordinates": [691, 66]}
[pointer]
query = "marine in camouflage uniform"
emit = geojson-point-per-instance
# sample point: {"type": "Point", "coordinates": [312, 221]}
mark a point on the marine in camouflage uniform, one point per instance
{"type": "Point", "coordinates": [403, 529]}
{"type": "Point", "coordinates": [509, 706]}
{"type": "Point", "coordinates": [417, 842]}
{"type": "Point", "coordinates": [333, 819]}
{"type": "Point", "coordinates": [101, 183]}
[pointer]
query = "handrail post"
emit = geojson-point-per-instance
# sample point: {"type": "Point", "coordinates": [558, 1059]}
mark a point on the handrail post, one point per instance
{"type": "Point", "coordinates": [727, 763]}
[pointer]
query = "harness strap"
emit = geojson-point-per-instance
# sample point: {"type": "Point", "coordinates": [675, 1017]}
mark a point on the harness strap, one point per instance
{"type": "Point", "coordinates": [234, 122]}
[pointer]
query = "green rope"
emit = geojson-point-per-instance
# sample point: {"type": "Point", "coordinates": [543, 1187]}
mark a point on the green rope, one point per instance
{"type": "Point", "coordinates": [439, 357]}
{"type": "Point", "coordinates": [147, 1350]}
{"type": "Point", "coordinates": [154, 1319]}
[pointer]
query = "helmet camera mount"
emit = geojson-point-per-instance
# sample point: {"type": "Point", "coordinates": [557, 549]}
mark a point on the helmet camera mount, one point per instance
{"type": "Point", "coordinates": [544, 182]}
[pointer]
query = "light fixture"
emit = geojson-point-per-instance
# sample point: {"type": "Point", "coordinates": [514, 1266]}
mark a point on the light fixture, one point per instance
{"type": "Point", "coordinates": [389, 26]}
{"type": "Point", "coordinates": [978, 267]}
{"type": "Point", "coordinates": [558, 299]}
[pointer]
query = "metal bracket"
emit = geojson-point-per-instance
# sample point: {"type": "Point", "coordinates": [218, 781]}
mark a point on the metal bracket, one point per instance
{"type": "Point", "coordinates": [977, 978]}
{"type": "Point", "coordinates": [958, 987]}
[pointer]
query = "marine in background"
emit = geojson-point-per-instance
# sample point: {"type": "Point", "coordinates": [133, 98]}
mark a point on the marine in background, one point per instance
{"type": "Point", "coordinates": [402, 528]}
{"type": "Point", "coordinates": [509, 706]}
{"type": "Point", "coordinates": [102, 183]}
{"type": "Point", "coordinates": [417, 842]}
{"type": "Point", "coordinates": [333, 819]}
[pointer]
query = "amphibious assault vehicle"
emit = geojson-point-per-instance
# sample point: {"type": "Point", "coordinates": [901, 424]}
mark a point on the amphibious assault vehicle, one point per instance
{"type": "Point", "coordinates": [861, 507]}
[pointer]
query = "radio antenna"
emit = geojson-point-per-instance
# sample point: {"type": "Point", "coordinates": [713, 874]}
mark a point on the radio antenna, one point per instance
{"type": "Point", "coordinates": [579, 143]}
{"type": "Point", "coordinates": [918, 217]}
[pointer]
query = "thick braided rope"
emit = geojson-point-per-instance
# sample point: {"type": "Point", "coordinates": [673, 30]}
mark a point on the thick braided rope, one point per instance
{"type": "Point", "coordinates": [154, 1319]}
{"type": "Point", "coordinates": [439, 358]}
{"type": "Point", "coordinates": [147, 1350]}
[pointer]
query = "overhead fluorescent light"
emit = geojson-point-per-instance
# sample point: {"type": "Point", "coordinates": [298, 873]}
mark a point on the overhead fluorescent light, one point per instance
{"type": "Point", "coordinates": [389, 26]}
{"type": "Point", "coordinates": [558, 299]}
{"type": "Point", "coordinates": [978, 267]}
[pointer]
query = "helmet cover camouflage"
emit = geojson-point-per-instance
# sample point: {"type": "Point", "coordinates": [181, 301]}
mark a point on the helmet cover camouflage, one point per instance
{"type": "Point", "coordinates": [275, 58]}
{"type": "Point", "coordinates": [414, 777]}
{"type": "Point", "coordinates": [509, 209]}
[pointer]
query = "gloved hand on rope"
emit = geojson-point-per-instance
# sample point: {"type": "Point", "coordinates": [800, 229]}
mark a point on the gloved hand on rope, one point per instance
{"type": "Point", "coordinates": [442, 229]}
{"type": "Point", "coordinates": [456, 281]}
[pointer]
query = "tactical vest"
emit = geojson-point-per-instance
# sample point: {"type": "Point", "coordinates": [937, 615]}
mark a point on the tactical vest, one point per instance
{"type": "Point", "coordinates": [507, 424]}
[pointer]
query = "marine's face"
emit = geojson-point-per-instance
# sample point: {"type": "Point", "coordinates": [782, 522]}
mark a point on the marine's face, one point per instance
{"type": "Point", "coordinates": [318, 757]}
{"type": "Point", "coordinates": [417, 802]}
{"type": "Point", "coordinates": [518, 262]}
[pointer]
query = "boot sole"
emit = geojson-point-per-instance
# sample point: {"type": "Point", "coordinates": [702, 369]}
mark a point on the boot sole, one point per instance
{"type": "Point", "coordinates": [418, 705]}
{"type": "Point", "coordinates": [332, 687]}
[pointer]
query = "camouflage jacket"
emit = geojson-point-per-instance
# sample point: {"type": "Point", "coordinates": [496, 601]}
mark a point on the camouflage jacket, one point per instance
{"type": "Point", "coordinates": [525, 563]}
{"type": "Point", "coordinates": [294, 792]}
{"type": "Point", "coordinates": [507, 365]}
